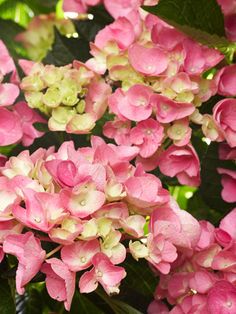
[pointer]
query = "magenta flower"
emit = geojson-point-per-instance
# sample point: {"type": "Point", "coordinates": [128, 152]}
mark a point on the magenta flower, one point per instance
{"type": "Point", "coordinates": [168, 110]}
{"type": "Point", "coordinates": [228, 182]}
{"type": "Point", "coordinates": [148, 61]}
{"type": "Point", "coordinates": [181, 162]}
{"type": "Point", "coordinates": [224, 114]}
{"type": "Point", "coordinates": [60, 281]}
{"type": "Point", "coordinates": [103, 272]}
{"type": "Point", "coordinates": [30, 255]}
{"type": "Point", "coordinates": [133, 105]}
{"type": "Point", "coordinates": [147, 135]}
{"type": "Point", "coordinates": [78, 256]}
{"type": "Point", "coordinates": [222, 298]}
{"type": "Point", "coordinates": [10, 127]}
{"type": "Point", "coordinates": [176, 225]}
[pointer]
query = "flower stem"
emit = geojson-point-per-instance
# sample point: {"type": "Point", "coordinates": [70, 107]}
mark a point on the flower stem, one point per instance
{"type": "Point", "coordinates": [53, 251]}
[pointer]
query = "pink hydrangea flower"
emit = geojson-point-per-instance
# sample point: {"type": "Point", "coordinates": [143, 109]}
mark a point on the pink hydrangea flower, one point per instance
{"type": "Point", "coordinates": [230, 27]}
{"type": "Point", "coordinates": [148, 61]}
{"type": "Point", "coordinates": [161, 253]}
{"type": "Point", "coordinates": [157, 307]}
{"type": "Point", "coordinates": [176, 225]}
{"type": "Point", "coordinates": [6, 62]}
{"type": "Point", "coordinates": [224, 114]}
{"type": "Point", "coordinates": [28, 117]}
{"type": "Point", "coordinates": [168, 110]}
{"type": "Point", "coordinates": [60, 281]}
{"type": "Point", "coordinates": [103, 272]}
{"type": "Point", "coordinates": [10, 127]}
{"type": "Point", "coordinates": [226, 80]}
{"type": "Point", "coordinates": [118, 130]}
{"type": "Point", "coordinates": [222, 298]}
{"type": "Point", "coordinates": [182, 162]}
{"type": "Point", "coordinates": [121, 32]}
{"type": "Point", "coordinates": [30, 255]}
{"type": "Point", "coordinates": [121, 7]}
{"type": "Point", "coordinates": [8, 94]}
{"type": "Point", "coordinates": [145, 191]}
{"type": "Point", "coordinates": [228, 224]}
{"type": "Point", "coordinates": [133, 104]}
{"type": "Point", "coordinates": [84, 203]}
{"type": "Point", "coordinates": [191, 304]}
{"type": "Point", "coordinates": [78, 256]}
{"type": "Point", "coordinates": [79, 6]}
{"type": "Point", "coordinates": [228, 182]}
{"type": "Point", "coordinates": [147, 135]}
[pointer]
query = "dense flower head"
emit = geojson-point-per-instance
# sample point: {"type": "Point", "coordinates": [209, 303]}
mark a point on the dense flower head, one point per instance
{"type": "Point", "coordinates": [86, 201]}
{"type": "Point", "coordinates": [145, 88]}
{"type": "Point", "coordinates": [201, 280]}
{"type": "Point", "coordinates": [72, 96]}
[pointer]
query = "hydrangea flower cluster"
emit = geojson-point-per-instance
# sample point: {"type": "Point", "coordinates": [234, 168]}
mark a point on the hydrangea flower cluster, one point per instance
{"type": "Point", "coordinates": [202, 279]}
{"type": "Point", "coordinates": [87, 201]}
{"type": "Point", "coordinates": [16, 119]}
{"type": "Point", "coordinates": [72, 96]}
{"type": "Point", "coordinates": [95, 205]}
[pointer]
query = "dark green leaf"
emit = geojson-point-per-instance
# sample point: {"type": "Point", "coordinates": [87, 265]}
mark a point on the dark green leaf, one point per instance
{"type": "Point", "coordinates": [200, 210]}
{"type": "Point", "coordinates": [200, 19]}
{"type": "Point", "coordinates": [6, 150]}
{"type": "Point", "coordinates": [66, 50]}
{"type": "Point", "coordinates": [7, 302]}
{"type": "Point", "coordinates": [210, 189]}
{"type": "Point", "coordinates": [82, 305]}
{"type": "Point", "coordinates": [42, 127]}
{"type": "Point", "coordinates": [34, 302]}
{"type": "Point", "coordinates": [8, 32]}
{"type": "Point", "coordinates": [39, 6]}
{"type": "Point", "coordinates": [117, 306]}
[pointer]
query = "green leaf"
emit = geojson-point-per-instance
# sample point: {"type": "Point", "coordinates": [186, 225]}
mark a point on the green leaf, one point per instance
{"type": "Point", "coordinates": [66, 50]}
{"type": "Point", "coordinates": [42, 127]}
{"type": "Point", "coordinates": [15, 11]}
{"type": "Point", "coordinates": [117, 306]}
{"type": "Point", "coordinates": [34, 302]}
{"type": "Point", "coordinates": [7, 302]}
{"type": "Point", "coordinates": [6, 150]}
{"type": "Point", "coordinates": [8, 32]}
{"type": "Point", "coordinates": [82, 305]}
{"type": "Point", "coordinates": [210, 189]}
{"type": "Point", "coordinates": [200, 19]}
{"type": "Point", "coordinates": [139, 284]}
{"type": "Point", "coordinates": [200, 210]}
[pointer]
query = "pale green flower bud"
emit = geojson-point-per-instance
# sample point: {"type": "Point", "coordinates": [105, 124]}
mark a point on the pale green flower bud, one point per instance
{"type": "Point", "coordinates": [69, 92]}
{"type": "Point", "coordinates": [52, 98]}
{"type": "Point", "coordinates": [52, 75]}
{"type": "Point", "coordinates": [60, 117]}
{"type": "Point", "coordinates": [34, 99]}
{"type": "Point", "coordinates": [32, 83]}
{"type": "Point", "coordinates": [81, 106]}
{"type": "Point", "coordinates": [81, 124]}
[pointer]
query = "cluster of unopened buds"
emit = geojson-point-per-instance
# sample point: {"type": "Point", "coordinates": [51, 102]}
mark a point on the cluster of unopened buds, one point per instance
{"type": "Point", "coordinates": [72, 96]}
